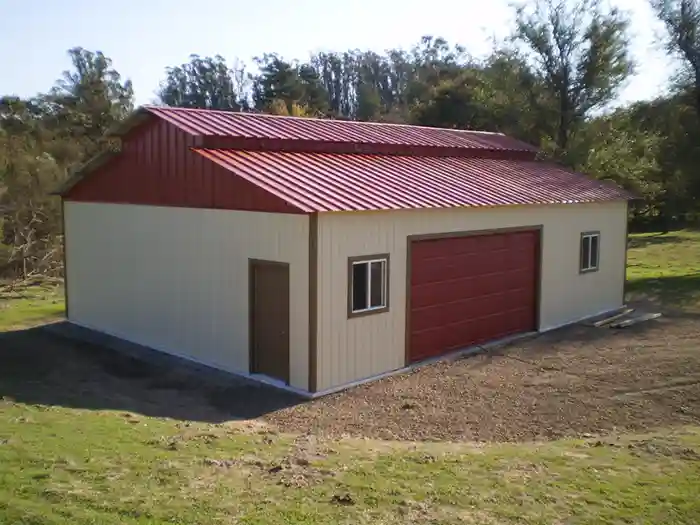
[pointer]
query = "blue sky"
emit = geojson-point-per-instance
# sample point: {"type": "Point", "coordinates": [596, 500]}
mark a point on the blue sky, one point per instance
{"type": "Point", "coordinates": [144, 36]}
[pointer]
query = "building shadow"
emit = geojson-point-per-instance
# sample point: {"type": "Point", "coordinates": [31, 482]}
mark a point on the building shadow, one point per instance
{"type": "Point", "coordinates": [678, 292]}
{"type": "Point", "coordinates": [39, 366]}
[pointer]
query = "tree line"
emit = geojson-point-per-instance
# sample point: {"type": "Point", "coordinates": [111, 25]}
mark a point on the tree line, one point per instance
{"type": "Point", "coordinates": [552, 83]}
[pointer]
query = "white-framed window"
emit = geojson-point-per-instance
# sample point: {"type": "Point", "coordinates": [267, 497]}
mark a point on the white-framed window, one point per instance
{"type": "Point", "coordinates": [368, 286]}
{"type": "Point", "coordinates": [590, 252]}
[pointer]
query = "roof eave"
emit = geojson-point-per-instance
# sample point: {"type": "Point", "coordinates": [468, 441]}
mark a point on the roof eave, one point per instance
{"type": "Point", "coordinates": [138, 117]}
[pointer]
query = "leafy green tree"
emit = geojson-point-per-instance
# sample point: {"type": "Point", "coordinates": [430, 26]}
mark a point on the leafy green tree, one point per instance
{"type": "Point", "coordinates": [88, 99]}
{"type": "Point", "coordinates": [205, 83]}
{"type": "Point", "coordinates": [369, 104]}
{"type": "Point", "coordinates": [41, 139]}
{"type": "Point", "coordinates": [580, 51]}
{"type": "Point", "coordinates": [289, 82]}
{"type": "Point", "coordinates": [615, 148]}
{"type": "Point", "coordinates": [681, 19]}
{"type": "Point", "coordinates": [457, 103]}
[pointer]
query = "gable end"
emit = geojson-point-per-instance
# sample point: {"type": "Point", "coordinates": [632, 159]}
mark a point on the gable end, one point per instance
{"type": "Point", "coordinates": [156, 167]}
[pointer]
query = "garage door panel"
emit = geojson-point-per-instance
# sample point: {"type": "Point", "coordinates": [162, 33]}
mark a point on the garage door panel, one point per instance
{"type": "Point", "coordinates": [443, 292]}
{"type": "Point", "coordinates": [425, 341]}
{"type": "Point", "coordinates": [470, 290]}
{"type": "Point", "coordinates": [443, 314]}
{"type": "Point", "coordinates": [448, 268]}
{"type": "Point", "coordinates": [442, 269]}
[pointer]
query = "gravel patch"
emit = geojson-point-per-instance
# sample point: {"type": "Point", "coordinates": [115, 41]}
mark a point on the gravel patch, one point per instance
{"type": "Point", "coordinates": [572, 382]}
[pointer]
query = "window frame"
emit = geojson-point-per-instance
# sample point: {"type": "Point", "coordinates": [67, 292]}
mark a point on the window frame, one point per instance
{"type": "Point", "coordinates": [596, 264]}
{"type": "Point", "coordinates": [367, 259]}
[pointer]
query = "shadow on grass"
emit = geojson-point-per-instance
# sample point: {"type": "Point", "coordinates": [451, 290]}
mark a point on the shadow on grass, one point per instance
{"type": "Point", "coordinates": [657, 239]}
{"type": "Point", "coordinates": [674, 291]}
{"type": "Point", "coordinates": [39, 367]}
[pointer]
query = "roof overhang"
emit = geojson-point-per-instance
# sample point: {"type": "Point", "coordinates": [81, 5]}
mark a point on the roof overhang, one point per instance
{"type": "Point", "coordinates": [138, 117]}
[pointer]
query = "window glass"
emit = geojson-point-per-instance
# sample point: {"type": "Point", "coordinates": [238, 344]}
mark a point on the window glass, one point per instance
{"type": "Point", "coordinates": [377, 284]}
{"type": "Point", "coordinates": [359, 286]}
{"type": "Point", "coordinates": [590, 251]}
{"type": "Point", "coordinates": [594, 251]}
{"type": "Point", "coordinates": [585, 252]}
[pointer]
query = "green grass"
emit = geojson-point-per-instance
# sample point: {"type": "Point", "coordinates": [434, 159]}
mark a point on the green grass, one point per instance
{"type": "Point", "coordinates": [665, 268]}
{"type": "Point", "coordinates": [80, 467]}
{"type": "Point", "coordinates": [30, 306]}
{"type": "Point", "coordinates": [61, 465]}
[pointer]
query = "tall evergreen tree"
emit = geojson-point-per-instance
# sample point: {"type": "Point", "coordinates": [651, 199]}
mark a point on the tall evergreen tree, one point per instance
{"type": "Point", "coordinates": [205, 83]}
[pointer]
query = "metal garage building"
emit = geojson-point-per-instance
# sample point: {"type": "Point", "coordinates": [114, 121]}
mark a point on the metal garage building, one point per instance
{"type": "Point", "coordinates": [319, 253]}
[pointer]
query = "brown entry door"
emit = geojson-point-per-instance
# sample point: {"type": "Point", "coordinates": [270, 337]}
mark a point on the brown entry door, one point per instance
{"type": "Point", "coordinates": [269, 310]}
{"type": "Point", "coordinates": [470, 290]}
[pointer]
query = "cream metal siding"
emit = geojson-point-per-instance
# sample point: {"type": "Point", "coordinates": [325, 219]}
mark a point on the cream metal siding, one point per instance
{"type": "Point", "coordinates": [176, 279]}
{"type": "Point", "coordinates": [358, 348]}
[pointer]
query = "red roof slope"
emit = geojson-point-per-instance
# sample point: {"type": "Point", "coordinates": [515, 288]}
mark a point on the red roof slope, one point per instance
{"type": "Point", "coordinates": [317, 165]}
{"type": "Point", "coordinates": [251, 128]}
{"type": "Point", "coordinates": [323, 182]}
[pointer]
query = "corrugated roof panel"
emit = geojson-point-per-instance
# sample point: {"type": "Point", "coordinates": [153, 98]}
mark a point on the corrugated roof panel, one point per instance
{"type": "Point", "coordinates": [230, 124]}
{"type": "Point", "coordinates": [325, 182]}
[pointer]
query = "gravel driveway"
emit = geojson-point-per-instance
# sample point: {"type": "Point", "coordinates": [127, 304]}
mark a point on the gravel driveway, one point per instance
{"type": "Point", "coordinates": [570, 382]}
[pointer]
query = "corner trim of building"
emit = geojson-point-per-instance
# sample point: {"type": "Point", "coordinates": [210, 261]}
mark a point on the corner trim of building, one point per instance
{"type": "Point", "coordinates": [313, 302]}
{"type": "Point", "coordinates": [65, 259]}
{"type": "Point", "coordinates": [627, 243]}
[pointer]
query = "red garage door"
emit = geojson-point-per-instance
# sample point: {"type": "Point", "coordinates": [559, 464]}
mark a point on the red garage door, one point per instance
{"type": "Point", "coordinates": [469, 290]}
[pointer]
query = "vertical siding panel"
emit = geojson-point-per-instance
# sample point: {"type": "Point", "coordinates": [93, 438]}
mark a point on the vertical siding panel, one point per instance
{"type": "Point", "coordinates": [145, 158]}
{"type": "Point", "coordinates": [179, 278]}
{"type": "Point", "coordinates": [354, 349]}
{"type": "Point", "coordinates": [178, 175]}
{"type": "Point", "coordinates": [170, 192]}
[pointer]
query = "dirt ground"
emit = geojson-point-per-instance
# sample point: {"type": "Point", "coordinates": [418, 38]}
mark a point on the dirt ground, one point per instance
{"type": "Point", "coordinates": [571, 382]}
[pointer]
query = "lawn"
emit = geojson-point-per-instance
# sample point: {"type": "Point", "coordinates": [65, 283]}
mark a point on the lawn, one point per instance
{"type": "Point", "coordinates": [30, 306]}
{"type": "Point", "coordinates": [665, 269]}
{"type": "Point", "coordinates": [67, 459]}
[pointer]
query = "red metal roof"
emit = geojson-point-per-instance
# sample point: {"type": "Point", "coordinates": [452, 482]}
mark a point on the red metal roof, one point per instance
{"type": "Point", "coordinates": [323, 182]}
{"type": "Point", "coordinates": [249, 128]}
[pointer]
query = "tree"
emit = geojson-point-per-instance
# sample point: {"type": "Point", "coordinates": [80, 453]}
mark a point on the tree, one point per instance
{"type": "Point", "coordinates": [615, 148]}
{"type": "Point", "coordinates": [292, 83]}
{"type": "Point", "coordinates": [205, 83]}
{"type": "Point", "coordinates": [41, 139]}
{"type": "Point", "coordinates": [460, 103]}
{"type": "Point", "coordinates": [681, 19]}
{"type": "Point", "coordinates": [581, 53]}
{"type": "Point", "coordinates": [369, 103]}
{"type": "Point", "coordinates": [89, 99]}
{"type": "Point", "coordinates": [500, 94]}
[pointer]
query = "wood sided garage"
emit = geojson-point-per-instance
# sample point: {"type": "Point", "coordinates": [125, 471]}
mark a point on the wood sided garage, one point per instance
{"type": "Point", "coordinates": [315, 254]}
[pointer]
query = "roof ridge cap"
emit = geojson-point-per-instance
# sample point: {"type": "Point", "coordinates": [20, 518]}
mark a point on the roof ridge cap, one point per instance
{"type": "Point", "coordinates": [245, 114]}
